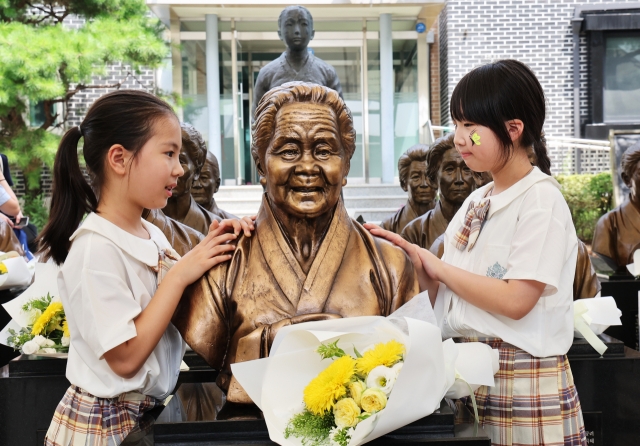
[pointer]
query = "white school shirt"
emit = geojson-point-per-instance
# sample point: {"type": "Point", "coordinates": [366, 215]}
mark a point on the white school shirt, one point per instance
{"type": "Point", "coordinates": [528, 235]}
{"type": "Point", "coordinates": [105, 283]}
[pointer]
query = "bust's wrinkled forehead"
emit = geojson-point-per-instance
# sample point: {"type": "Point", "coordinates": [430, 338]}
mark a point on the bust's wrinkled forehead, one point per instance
{"type": "Point", "coordinates": [291, 9]}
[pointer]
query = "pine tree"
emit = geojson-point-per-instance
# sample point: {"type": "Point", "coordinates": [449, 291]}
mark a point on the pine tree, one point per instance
{"type": "Point", "coordinates": [44, 61]}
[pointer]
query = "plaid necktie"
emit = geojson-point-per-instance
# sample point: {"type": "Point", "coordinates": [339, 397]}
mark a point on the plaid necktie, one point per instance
{"type": "Point", "coordinates": [166, 259]}
{"type": "Point", "coordinates": [470, 230]}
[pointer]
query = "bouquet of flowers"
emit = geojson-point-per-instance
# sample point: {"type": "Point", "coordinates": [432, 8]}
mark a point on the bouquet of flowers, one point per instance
{"type": "Point", "coordinates": [47, 331]}
{"type": "Point", "coordinates": [373, 376]}
{"type": "Point", "coordinates": [349, 390]}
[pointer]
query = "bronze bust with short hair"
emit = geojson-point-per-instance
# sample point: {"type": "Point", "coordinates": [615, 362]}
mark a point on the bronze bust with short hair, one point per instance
{"type": "Point", "coordinates": [295, 28]}
{"type": "Point", "coordinates": [207, 184]}
{"type": "Point", "coordinates": [307, 259]}
{"type": "Point", "coordinates": [617, 234]}
{"type": "Point", "coordinates": [181, 206]}
{"type": "Point", "coordinates": [412, 170]}
{"type": "Point", "coordinates": [455, 183]}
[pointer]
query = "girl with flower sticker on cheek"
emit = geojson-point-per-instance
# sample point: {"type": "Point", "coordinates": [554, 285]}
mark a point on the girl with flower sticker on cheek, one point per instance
{"type": "Point", "coordinates": [120, 281]}
{"type": "Point", "coordinates": [506, 276]}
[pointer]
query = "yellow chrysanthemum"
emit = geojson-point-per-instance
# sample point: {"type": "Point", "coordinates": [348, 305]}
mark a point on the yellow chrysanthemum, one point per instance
{"type": "Point", "coordinates": [323, 391]}
{"type": "Point", "coordinates": [3, 268]}
{"type": "Point", "coordinates": [65, 329]}
{"type": "Point", "coordinates": [382, 354]}
{"type": "Point", "coordinates": [45, 318]}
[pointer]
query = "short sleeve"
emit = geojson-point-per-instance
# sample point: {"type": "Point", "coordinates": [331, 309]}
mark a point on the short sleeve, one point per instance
{"type": "Point", "coordinates": [111, 307]}
{"type": "Point", "coordinates": [539, 248]}
{"type": "Point", "coordinates": [4, 196]}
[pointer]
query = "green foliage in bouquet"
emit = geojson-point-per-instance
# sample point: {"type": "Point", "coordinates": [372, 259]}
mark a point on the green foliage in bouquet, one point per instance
{"type": "Point", "coordinates": [313, 430]}
{"type": "Point", "coordinates": [589, 197]}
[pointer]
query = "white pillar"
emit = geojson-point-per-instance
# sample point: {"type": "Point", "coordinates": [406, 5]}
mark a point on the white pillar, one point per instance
{"type": "Point", "coordinates": [176, 59]}
{"type": "Point", "coordinates": [213, 85]}
{"type": "Point", "coordinates": [386, 98]}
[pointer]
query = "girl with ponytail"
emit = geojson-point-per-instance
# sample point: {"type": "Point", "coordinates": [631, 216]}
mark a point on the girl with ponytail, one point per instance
{"type": "Point", "coordinates": [120, 281]}
{"type": "Point", "coordinates": [506, 275]}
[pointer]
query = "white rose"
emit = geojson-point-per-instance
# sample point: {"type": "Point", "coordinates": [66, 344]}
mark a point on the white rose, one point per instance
{"type": "Point", "coordinates": [48, 350]}
{"type": "Point", "coordinates": [65, 341]}
{"type": "Point", "coordinates": [49, 343]}
{"type": "Point", "coordinates": [40, 340]}
{"type": "Point", "coordinates": [382, 378]}
{"type": "Point", "coordinates": [30, 347]}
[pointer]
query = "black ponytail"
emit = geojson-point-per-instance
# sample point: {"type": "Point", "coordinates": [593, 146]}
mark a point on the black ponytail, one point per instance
{"type": "Point", "coordinates": [124, 117]}
{"type": "Point", "coordinates": [543, 161]}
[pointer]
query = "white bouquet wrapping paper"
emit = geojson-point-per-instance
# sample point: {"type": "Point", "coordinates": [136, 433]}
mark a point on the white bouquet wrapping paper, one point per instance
{"type": "Point", "coordinates": [276, 383]}
{"type": "Point", "coordinates": [19, 273]}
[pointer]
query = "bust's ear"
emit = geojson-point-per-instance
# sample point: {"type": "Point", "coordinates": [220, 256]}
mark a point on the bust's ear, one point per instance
{"type": "Point", "coordinates": [403, 184]}
{"type": "Point", "coordinates": [217, 186]}
{"type": "Point", "coordinates": [626, 178]}
{"type": "Point", "coordinates": [280, 34]}
{"type": "Point", "coordinates": [313, 34]}
{"type": "Point", "coordinates": [256, 159]}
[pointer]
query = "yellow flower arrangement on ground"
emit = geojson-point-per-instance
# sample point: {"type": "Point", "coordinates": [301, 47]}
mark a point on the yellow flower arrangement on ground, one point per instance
{"type": "Point", "coordinates": [48, 331]}
{"type": "Point", "coordinates": [345, 393]}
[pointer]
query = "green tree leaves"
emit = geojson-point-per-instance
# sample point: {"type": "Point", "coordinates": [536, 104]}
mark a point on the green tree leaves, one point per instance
{"type": "Point", "coordinates": [44, 61]}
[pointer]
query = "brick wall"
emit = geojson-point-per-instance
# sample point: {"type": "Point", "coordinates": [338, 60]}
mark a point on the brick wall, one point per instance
{"type": "Point", "coordinates": [434, 72]}
{"type": "Point", "coordinates": [536, 32]}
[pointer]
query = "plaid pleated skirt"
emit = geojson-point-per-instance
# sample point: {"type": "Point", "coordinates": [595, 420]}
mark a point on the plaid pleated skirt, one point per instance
{"type": "Point", "coordinates": [82, 419]}
{"type": "Point", "coordinates": [533, 402]}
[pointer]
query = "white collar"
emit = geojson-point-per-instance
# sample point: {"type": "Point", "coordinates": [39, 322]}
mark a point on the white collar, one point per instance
{"type": "Point", "coordinates": [145, 251]}
{"type": "Point", "coordinates": [505, 197]}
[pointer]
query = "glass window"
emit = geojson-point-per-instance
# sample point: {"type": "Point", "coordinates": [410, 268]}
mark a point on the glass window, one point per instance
{"type": "Point", "coordinates": [622, 79]}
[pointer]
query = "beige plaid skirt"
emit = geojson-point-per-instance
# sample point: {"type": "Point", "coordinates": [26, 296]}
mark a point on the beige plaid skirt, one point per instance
{"type": "Point", "coordinates": [533, 402]}
{"type": "Point", "coordinates": [86, 420]}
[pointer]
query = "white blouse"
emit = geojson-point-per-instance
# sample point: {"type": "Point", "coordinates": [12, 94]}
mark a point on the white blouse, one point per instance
{"type": "Point", "coordinates": [528, 235]}
{"type": "Point", "coordinates": [105, 283]}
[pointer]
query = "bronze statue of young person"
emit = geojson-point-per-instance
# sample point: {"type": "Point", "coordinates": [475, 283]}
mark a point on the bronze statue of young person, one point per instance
{"type": "Point", "coordinates": [617, 234]}
{"type": "Point", "coordinates": [412, 170]}
{"type": "Point", "coordinates": [295, 28]}
{"type": "Point", "coordinates": [455, 182]}
{"type": "Point", "coordinates": [307, 260]}
{"type": "Point", "coordinates": [181, 206]}
{"type": "Point", "coordinates": [207, 184]}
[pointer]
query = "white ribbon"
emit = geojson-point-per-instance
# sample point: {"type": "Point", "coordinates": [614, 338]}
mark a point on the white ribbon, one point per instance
{"type": "Point", "coordinates": [581, 321]}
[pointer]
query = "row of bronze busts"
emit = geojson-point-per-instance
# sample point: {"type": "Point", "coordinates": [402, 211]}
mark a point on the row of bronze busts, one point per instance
{"type": "Point", "coordinates": [191, 209]}
{"type": "Point", "coordinates": [423, 171]}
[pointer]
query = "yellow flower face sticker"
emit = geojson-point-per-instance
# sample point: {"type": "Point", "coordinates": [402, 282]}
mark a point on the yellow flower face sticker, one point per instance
{"type": "Point", "coordinates": [475, 138]}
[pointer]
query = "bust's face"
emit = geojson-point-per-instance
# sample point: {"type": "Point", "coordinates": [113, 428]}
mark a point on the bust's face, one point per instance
{"type": "Point", "coordinates": [296, 30]}
{"type": "Point", "coordinates": [421, 191]}
{"type": "Point", "coordinates": [206, 184]}
{"type": "Point", "coordinates": [455, 179]}
{"type": "Point", "coordinates": [633, 183]}
{"type": "Point", "coordinates": [188, 164]}
{"type": "Point", "coordinates": [305, 163]}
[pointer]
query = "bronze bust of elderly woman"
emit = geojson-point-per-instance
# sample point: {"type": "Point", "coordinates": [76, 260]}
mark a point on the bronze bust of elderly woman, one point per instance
{"type": "Point", "coordinates": [307, 260]}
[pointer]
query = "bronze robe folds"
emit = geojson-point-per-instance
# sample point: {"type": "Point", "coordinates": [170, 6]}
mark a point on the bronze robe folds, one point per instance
{"type": "Point", "coordinates": [397, 222]}
{"type": "Point", "coordinates": [199, 218]}
{"type": "Point", "coordinates": [214, 209]}
{"type": "Point", "coordinates": [617, 235]}
{"type": "Point", "coordinates": [181, 237]}
{"type": "Point", "coordinates": [226, 316]}
{"type": "Point", "coordinates": [424, 230]}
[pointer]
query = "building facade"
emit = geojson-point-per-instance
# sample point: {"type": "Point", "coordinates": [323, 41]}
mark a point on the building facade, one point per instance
{"type": "Point", "coordinates": [591, 48]}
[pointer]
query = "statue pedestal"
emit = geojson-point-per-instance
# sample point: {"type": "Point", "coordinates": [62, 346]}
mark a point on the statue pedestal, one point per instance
{"type": "Point", "coordinates": [625, 292]}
